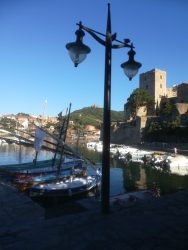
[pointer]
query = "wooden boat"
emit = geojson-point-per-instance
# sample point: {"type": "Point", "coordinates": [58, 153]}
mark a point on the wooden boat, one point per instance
{"type": "Point", "coordinates": [47, 169]}
{"type": "Point", "coordinates": [65, 188]}
{"type": "Point", "coordinates": [23, 184]}
{"type": "Point", "coordinates": [30, 167]}
{"type": "Point", "coordinates": [27, 174]}
{"type": "Point", "coordinates": [23, 166]}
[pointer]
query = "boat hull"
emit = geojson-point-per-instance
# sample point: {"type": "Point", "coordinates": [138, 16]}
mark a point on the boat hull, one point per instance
{"type": "Point", "coordinates": [66, 188]}
{"type": "Point", "coordinates": [24, 183]}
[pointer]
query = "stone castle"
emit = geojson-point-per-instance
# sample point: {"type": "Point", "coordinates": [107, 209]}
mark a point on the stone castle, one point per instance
{"type": "Point", "coordinates": [153, 81]}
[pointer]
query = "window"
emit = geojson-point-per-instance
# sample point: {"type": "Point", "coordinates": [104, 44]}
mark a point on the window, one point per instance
{"type": "Point", "coordinates": [146, 86]}
{"type": "Point", "coordinates": [161, 86]}
{"type": "Point", "coordinates": [161, 77]}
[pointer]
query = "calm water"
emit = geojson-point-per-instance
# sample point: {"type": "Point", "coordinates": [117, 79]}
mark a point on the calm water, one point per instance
{"type": "Point", "coordinates": [12, 154]}
{"type": "Point", "coordinates": [122, 178]}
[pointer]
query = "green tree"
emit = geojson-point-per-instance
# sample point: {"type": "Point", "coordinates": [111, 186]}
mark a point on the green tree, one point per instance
{"type": "Point", "coordinates": [137, 99]}
{"type": "Point", "coordinates": [8, 123]}
{"type": "Point", "coordinates": [175, 123]}
{"type": "Point", "coordinates": [23, 114]}
{"type": "Point", "coordinates": [166, 107]}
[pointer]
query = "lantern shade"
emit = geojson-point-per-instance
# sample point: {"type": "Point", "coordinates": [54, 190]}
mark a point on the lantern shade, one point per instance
{"type": "Point", "coordinates": [78, 52]}
{"type": "Point", "coordinates": [131, 67]}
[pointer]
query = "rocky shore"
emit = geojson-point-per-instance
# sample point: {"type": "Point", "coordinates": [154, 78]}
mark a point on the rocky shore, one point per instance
{"type": "Point", "coordinates": [155, 224]}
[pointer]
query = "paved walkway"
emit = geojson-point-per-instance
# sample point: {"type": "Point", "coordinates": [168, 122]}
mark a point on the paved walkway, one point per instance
{"type": "Point", "coordinates": [155, 224]}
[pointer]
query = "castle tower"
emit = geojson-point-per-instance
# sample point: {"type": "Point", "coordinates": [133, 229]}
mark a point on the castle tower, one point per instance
{"type": "Point", "coordinates": [154, 81]}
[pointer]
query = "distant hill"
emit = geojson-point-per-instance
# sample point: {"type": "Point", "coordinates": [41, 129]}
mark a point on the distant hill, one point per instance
{"type": "Point", "coordinates": [94, 116]}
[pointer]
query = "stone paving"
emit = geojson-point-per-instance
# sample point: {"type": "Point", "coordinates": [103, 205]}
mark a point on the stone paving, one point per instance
{"type": "Point", "coordinates": [155, 224]}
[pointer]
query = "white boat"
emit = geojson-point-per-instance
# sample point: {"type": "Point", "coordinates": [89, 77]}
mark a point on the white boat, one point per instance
{"type": "Point", "coordinates": [123, 150]}
{"type": "Point", "coordinates": [91, 145]}
{"type": "Point", "coordinates": [65, 188]}
{"type": "Point", "coordinates": [139, 155]}
{"type": "Point", "coordinates": [113, 149]}
{"type": "Point", "coordinates": [178, 164]}
{"type": "Point", "coordinates": [136, 156]}
{"type": "Point", "coordinates": [99, 146]}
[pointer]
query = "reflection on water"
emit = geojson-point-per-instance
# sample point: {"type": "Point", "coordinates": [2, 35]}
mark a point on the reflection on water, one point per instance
{"type": "Point", "coordinates": [13, 154]}
{"type": "Point", "coordinates": [137, 176]}
{"type": "Point", "coordinates": [134, 176]}
{"type": "Point", "coordinates": [122, 177]}
{"type": "Point", "coordinates": [117, 181]}
{"type": "Point", "coordinates": [166, 181]}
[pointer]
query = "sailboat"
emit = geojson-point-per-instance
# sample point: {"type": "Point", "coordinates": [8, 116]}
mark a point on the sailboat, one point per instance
{"type": "Point", "coordinates": [26, 174]}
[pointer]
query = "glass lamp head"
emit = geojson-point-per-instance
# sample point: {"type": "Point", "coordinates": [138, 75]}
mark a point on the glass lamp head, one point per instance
{"type": "Point", "coordinates": [131, 67]}
{"type": "Point", "coordinates": [77, 50]}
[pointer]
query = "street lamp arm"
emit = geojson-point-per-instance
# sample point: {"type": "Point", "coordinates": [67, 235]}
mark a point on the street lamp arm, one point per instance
{"type": "Point", "coordinates": [97, 38]}
{"type": "Point", "coordinates": [89, 29]}
{"type": "Point", "coordinates": [93, 33]}
{"type": "Point", "coordinates": [122, 45]}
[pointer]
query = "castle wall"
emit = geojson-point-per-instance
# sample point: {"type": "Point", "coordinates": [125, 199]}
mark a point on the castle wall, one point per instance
{"type": "Point", "coordinates": [182, 108]}
{"type": "Point", "coordinates": [142, 111]}
{"type": "Point", "coordinates": [182, 92]}
{"type": "Point", "coordinates": [125, 134]}
{"type": "Point", "coordinates": [171, 92]}
{"type": "Point", "coordinates": [128, 132]}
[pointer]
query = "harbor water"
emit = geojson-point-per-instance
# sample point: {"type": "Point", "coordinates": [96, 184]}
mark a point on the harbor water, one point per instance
{"type": "Point", "coordinates": [123, 177]}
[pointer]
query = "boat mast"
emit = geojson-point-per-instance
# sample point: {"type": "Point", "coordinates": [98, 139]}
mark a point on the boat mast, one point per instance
{"type": "Point", "coordinates": [64, 135]}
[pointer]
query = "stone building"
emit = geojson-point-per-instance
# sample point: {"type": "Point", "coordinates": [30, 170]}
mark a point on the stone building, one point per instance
{"type": "Point", "coordinates": [172, 92]}
{"type": "Point", "coordinates": [154, 81]}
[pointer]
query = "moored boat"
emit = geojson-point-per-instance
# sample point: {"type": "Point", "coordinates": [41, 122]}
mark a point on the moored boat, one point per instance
{"type": "Point", "coordinates": [177, 164]}
{"type": "Point", "coordinates": [47, 169]}
{"type": "Point", "coordinates": [24, 183]}
{"type": "Point", "coordinates": [65, 188]}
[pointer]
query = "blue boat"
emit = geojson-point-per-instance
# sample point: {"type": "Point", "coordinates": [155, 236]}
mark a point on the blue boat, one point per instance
{"type": "Point", "coordinates": [47, 169]}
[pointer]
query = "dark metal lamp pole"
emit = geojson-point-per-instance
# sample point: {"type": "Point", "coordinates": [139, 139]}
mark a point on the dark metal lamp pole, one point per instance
{"type": "Point", "coordinates": [78, 52]}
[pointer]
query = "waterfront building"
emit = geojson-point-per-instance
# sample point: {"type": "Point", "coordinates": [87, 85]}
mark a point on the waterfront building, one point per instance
{"type": "Point", "coordinates": [154, 81]}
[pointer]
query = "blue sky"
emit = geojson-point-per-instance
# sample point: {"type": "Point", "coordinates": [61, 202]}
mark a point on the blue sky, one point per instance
{"type": "Point", "coordinates": [35, 67]}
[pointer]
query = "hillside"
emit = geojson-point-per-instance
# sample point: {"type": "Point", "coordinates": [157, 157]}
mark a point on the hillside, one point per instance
{"type": "Point", "coordinates": [94, 116]}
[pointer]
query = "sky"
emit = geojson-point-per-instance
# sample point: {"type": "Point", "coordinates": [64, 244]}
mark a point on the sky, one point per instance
{"type": "Point", "coordinates": [36, 74]}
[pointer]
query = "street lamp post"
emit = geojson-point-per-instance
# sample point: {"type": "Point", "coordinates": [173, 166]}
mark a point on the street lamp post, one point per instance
{"type": "Point", "coordinates": [78, 52]}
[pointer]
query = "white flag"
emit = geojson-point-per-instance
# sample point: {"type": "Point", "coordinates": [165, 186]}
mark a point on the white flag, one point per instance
{"type": "Point", "coordinates": [39, 138]}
